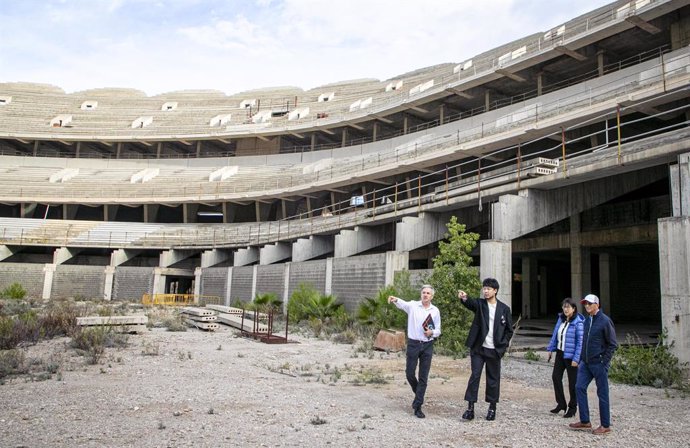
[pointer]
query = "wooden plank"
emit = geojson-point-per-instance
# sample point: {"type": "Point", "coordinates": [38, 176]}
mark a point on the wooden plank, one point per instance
{"type": "Point", "coordinates": [112, 320]}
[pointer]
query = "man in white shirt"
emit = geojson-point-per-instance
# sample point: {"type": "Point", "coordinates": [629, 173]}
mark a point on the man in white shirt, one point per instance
{"type": "Point", "coordinates": [490, 333]}
{"type": "Point", "coordinates": [423, 327]}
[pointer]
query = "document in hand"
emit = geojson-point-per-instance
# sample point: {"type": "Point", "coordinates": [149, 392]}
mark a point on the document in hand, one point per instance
{"type": "Point", "coordinates": [428, 323]}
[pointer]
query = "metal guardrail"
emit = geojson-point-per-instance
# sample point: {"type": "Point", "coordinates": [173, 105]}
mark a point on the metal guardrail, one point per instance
{"type": "Point", "coordinates": [178, 299]}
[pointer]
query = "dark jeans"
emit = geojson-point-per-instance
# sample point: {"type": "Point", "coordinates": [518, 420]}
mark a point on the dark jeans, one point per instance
{"type": "Point", "coordinates": [561, 365]}
{"type": "Point", "coordinates": [600, 373]}
{"type": "Point", "coordinates": [492, 360]}
{"type": "Point", "coordinates": [418, 352]}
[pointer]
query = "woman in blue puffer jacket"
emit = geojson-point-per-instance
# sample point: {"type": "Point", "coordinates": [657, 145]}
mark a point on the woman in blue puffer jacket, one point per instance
{"type": "Point", "coordinates": [566, 341]}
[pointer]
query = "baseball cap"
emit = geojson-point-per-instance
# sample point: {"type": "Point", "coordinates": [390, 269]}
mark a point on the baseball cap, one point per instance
{"type": "Point", "coordinates": [591, 298]}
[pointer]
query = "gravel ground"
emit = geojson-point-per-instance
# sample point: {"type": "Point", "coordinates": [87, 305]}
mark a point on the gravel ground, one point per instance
{"type": "Point", "coordinates": [216, 389]}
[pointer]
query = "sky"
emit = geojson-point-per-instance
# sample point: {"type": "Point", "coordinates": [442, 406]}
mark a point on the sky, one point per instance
{"type": "Point", "coordinates": [159, 46]}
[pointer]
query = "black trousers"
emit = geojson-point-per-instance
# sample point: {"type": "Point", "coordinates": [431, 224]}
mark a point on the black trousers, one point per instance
{"type": "Point", "coordinates": [418, 353]}
{"type": "Point", "coordinates": [561, 365]}
{"type": "Point", "coordinates": [479, 358]}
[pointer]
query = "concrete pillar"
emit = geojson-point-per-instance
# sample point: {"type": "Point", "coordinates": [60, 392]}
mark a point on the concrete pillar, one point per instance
{"type": "Point", "coordinates": [228, 213]}
{"type": "Point", "coordinates": [159, 150]}
{"type": "Point", "coordinates": [150, 212]}
{"type": "Point", "coordinates": [255, 272]}
{"type": "Point", "coordinates": [228, 287]}
{"type": "Point", "coordinates": [530, 285]}
{"type": "Point", "coordinates": [158, 281]}
{"type": "Point", "coordinates": [413, 232]}
{"type": "Point", "coordinates": [189, 213]}
{"type": "Point", "coordinates": [286, 286]}
{"type": "Point", "coordinates": [328, 288]}
{"type": "Point", "coordinates": [120, 256]}
{"type": "Point", "coordinates": [170, 257]}
{"type": "Point", "coordinates": [27, 210]}
{"type": "Point", "coordinates": [109, 281]}
{"type": "Point", "coordinates": [395, 261]}
{"type": "Point", "coordinates": [375, 131]}
{"type": "Point", "coordinates": [69, 211]}
{"type": "Point", "coordinates": [48, 273]}
{"type": "Point", "coordinates": [110, 212]}
{"type": "Point", "coordinates": [674, 267]}
{"type": "Point", "coordinates": [441, 113]}
{"type": "Point", "coordinates": [600, 62]}
{"type": "Point", "coordinates": [540, 83]}
{"type": "Point", "coordinates": [608, 279]}
{"type": "Point", "coordinates": [118, 150]}
{"type": "Point", "coordinates": [198, 149]}
{"type": "Point", "coordinates": [487, 100]}
{"type": "Point", "coordinates": [580, 263]}
{"type": "Point", "coordinates": [36, 145]}
{"type": "Point", "coordinates": [679, 177]}
{"type": "Point", "coordinates": [405, 123]}
{"type": "Point", "coordinates": [313, 141]}
{"type": "Point", "coordinates": [274, 253]}
{"type": "Point", "coordinates": [77, 152]}
{"type": "Point", "coordinates": [496, 261]}
{"type": "Point", "coordinates": [343, 142]}
{"type": "Point", "coordinates": [543, 289]}
{"type": "Point", "coordinates": [197, 282]}
{"type": "Point", "coordinates": [313, 247]}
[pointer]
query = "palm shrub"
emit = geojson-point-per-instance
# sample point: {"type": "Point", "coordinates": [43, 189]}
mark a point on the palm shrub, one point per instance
{"type": "Point", "coordinates": [453, 270]}
{"type": "Point", "coordinates": [267, 302]}
{"type": "Point", "coordinates": [377, 313]}
{"type": "Point", "coordinates": [300, 300]}
{"type": "Point", "coordinates": [14, 291]}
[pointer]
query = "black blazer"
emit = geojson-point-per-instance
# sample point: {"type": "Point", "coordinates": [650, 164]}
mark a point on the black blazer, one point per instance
{"type": "Point", "coordinates": [503, 325]}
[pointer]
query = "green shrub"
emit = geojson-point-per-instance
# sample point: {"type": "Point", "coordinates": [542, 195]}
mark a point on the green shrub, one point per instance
{"type": "Point", "coordinates": [300, 300]}
{"type": "Point", "coordinates": [12, 362]}
{"type": "Point", "coordinates": [15, 291]}
{"type": "Point", "coordinates": [91, 342]}
{"type": "Point", "coordinates": [531, 355]}
{"type": "Point", "coordinates": [376, 312]}
{"type": "Point", "coordinates": [647, 365]}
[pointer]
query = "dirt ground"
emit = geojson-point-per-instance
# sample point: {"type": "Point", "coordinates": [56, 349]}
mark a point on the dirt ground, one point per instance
{"type": "Point", "coordinates": [194, 388]}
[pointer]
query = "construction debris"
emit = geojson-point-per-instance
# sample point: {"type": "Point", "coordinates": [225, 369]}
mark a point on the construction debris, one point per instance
{"type": "Point", "coordinates": [124, 324]}
{"type": "Point", "coordinates": [201, 318]}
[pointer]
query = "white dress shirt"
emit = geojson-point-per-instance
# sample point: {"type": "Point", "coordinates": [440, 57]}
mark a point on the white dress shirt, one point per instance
{"type": "Point", "coordinates": [416, 315]}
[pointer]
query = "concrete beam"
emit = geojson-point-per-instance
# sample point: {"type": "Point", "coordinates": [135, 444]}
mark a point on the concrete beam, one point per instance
{"type": "Point", "coordinates": [572, 53]}
{"type": "Point", "coordinates": [273, 253]}
{"type": "Point", "coordinates": [313, 247]}
{"type": "Point", "coordinates": [361, 239]}
{"type": "Point", "coordinates": [63, 254]}
{"type": "Point", "coordinates": [246, 256]}
{"type": "Point", "coordinates": [643, 24]}
{"type": "Point", "coordinates": [7, 251]}
{"type": "Point", "coordinates": [215, 256]}
{"type": "Point", "coordinates": [172, 256]}
{"type": "Point", "coordinates": [48, 273]}
{"type": "Point", "coordinates": [674, 270]}
{"type": "Point", "coordinates": [120, 256]}
{"type": "Point", "coordinates": [513, 76]}
{"type": "Point", "coordinates": [530, 210]}
{"type": "Point", "coordinates": [415, 232]}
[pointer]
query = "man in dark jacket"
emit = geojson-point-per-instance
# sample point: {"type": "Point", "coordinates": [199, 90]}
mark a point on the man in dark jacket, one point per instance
{"type": "Point", "coordinates": [598, 345]}
{"type": "Point", "coordinates": [488, 340]}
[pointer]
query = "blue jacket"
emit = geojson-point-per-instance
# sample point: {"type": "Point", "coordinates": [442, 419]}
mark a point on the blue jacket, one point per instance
{"type": "Point", "coordinates": [573, 337]}
{"type": "Point", "coordinates": [599, 340]}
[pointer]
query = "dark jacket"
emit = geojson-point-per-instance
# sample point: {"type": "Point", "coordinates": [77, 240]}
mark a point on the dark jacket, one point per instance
{"type": "Point", "coordinates": [573, 337]}
{"type": "Point", "coordinates": [503, 325]}
{"type": "Point", "coordinates": [599, 341]}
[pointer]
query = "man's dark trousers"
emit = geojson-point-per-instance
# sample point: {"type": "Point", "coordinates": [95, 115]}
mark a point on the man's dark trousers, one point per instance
{"type": "Point", "coordinates": [418, 352]}
{"type": "Point", "coordinates": [492, 360]}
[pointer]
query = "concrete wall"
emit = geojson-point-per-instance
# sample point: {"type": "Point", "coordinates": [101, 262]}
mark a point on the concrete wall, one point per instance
{"type": "Point", "coordinates": [311, 272]}
{"type": "Point", "coordinates": [130, 283]}
{"type": "Point", "coordinates": [29, 275]}
{"type": "Point", "coordinates": [214, 282]}
{"type": "Point", "coordinates": [78, 281]}
{"type": "Point", "coordinates": [271, 279]}
{"type": "Point", "coordinates": [241, 287]}
{"type": "Point", "coordinates": [358, 277]}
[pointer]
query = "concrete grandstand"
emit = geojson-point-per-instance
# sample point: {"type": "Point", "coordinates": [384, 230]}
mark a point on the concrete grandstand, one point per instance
{"type": "Point", "coordinates": [567, 151]}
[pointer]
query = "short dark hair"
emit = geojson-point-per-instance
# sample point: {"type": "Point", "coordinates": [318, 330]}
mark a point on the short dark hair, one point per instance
{"type": "Point", "coordinates": [491, 283]}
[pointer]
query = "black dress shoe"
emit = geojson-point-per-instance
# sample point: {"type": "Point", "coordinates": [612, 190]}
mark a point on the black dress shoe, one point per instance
{"type": "Point", "coordinates": [557, 409]}
{"type": "Point", "coordinates": [468, 414]}
{"type": "Point", "coordinates": [491, 415]}
{"type": "Point", "coordinates": [571, 413]}
{"type": "Point", "coordinates": [418, 412]}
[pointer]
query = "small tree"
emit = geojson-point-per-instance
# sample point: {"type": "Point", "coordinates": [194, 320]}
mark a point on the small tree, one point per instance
{"type": "Point", "coordinates": [453, 270]}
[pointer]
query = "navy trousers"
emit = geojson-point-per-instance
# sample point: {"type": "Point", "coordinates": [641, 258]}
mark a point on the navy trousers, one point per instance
{"type": "Point", "coordinates": [600, 374]}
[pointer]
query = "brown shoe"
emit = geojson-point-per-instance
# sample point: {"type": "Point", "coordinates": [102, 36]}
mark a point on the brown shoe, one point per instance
{"type": "Point", "coordinates": [581, 425]}
{"type": "Point", "coordinates": [601, 430]}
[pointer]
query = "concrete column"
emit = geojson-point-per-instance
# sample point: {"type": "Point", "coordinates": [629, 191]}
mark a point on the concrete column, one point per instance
{"type": "Point", "coordinates": [228, 213]}
{"type": "Point", "coordinates": [328, 288]}
{"type": "Point", "coordinates": [405, 123]}
{"type": "Point", "coordinates": [150, 212]}
{"type": "Point", "coordinates": [441, 113]}
{"type": "Point", "coordinates": [77, 151]}
{"type": "Point", "coordinates": [543, 289]}
{"type": "Point", "coordinates": [496, 261]}
{"type": "Point", "coordinates": [36, 145]}
{"type": "Point", "coordinates": [395, 261]}
{"type": "Point", "coordinates": [487, 99]}
{"type": "Point", "coordinates": [110, 212]}
{"type": "Point", "coordinates": [158, 281]}
{"type": "Point", "coordinates": [414, 232]}
{"type": "Point", "coordinates": [286, 286]}
{"type": "Point", "coordinates": [228, 287]}
{"type": "Point", "coordinates": [109, 281]}
{"type": "Point", "coordinates": [580, 264]}
{"type": "Point", "coordinates": [48, 273]}
{"type": "Point", "coordinates": [198, 149]}
{"type": "Point", "coordinates": [375, 131]}
{"type": "Point", "coordinates": [118, 150]}
{"type": "Point", "coordinates": [159, 150]}
{"type": "Point", "coordinates": [674, 267]}
{"type": "Point", "coordinates": [600, 62]}
{"type": "Point", "coordinates": [189, 213]}
{"type": "Point", "coordinates": [27, 210]}
{"type": "Point", "coordinates": [540, 83]}
{"type": "Point", "coordinates": [69, 211]}
{"type": "Point", "coordinates": [530, 285]}
{"type": "Point", "coordinates": [197, 282]}
{"type": "Point", "coordinates": [679, 177]}
{"type": "Point", "coordinates": [313, 141]}
{"type": "Point", "coordinates": [255, 272]}
{"type": "Point", "coordinates": [607, 280]}
{"type": "Point", "coordinates": [343, 142]}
